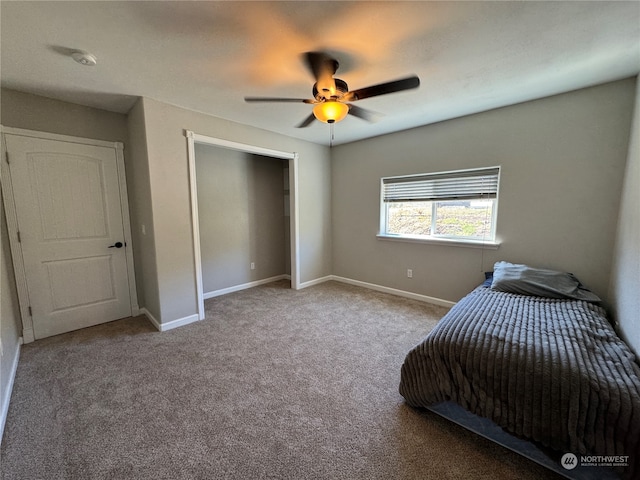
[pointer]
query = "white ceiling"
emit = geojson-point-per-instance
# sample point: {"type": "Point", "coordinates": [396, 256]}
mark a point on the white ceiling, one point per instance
{"type": "Point", "coordinates": [207, 56]}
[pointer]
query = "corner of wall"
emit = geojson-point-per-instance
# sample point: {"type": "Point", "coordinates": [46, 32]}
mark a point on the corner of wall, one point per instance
{"type": "Point", "coordinates": [140, 206]}
{"type": "Point", "coordinates": [625, 276]}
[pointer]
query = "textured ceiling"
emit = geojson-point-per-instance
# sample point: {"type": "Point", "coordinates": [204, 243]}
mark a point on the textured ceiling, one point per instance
{"type": "Point", "coordinates": [206, 56]}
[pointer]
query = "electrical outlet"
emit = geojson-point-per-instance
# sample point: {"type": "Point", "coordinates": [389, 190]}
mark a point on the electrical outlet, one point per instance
{"type": "Point", "coordinates": [253, 266]}
{"type": "Point", "coordinates": [1, 349]}
{"type": "Point", "coordinates": [144, 229]}
{"type": "Point", "coordinates": [409, 273]}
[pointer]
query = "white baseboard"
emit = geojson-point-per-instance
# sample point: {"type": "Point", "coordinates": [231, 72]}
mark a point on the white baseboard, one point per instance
{"type": "Point", "coordinates": [380, 288]}
{"type": "Point", "coordinates": [163, 327]}
{"type": "Point", "coordinates": [151, 318]}
{"type": "Point", "coordinates": [6, 395]}
{"type": "Point", "coordinates": [394, 291]}
{"type": "Point", "coordinates": [317, 281]}
{"type": "Point", "coordinates": [244, 286]}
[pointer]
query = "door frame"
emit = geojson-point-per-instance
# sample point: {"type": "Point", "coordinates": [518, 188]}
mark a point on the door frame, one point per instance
{"type": "Point", "coordinates": [12, 219]}
{"type": "Point", "coordinates": [292, 157]}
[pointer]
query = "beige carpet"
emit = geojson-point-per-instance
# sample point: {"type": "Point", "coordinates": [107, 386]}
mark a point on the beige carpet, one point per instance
{"type": "Point", "coordinates": [273, 384]}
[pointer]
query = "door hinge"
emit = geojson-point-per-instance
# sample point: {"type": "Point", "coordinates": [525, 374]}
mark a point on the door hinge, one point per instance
{"type": "Point", "coordinates": [19, 237]}
{"type": "Point", "coordinates": [6, 157]}
{"type": "Point", "coordinates": [30, 312]}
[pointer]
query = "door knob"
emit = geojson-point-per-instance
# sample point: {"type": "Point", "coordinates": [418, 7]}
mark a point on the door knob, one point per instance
{"type": "Point", "coordinates": [117, 245]}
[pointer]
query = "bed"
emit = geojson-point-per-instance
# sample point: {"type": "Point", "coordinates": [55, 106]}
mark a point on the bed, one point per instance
{"type": "Point", "coordinates": [532, 350]}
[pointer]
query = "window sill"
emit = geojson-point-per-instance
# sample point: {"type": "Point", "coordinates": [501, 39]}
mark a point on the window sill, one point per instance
{"type": "Point", "coordinates": [441, 241]}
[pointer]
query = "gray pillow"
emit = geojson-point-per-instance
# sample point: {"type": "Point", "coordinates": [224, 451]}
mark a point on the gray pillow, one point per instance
{"type": "Point", "coordinates": [525, 280]}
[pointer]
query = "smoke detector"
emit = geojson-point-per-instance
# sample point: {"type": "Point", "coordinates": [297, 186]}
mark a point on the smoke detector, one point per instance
{"type": "Point", "coordinates": [84, 58]}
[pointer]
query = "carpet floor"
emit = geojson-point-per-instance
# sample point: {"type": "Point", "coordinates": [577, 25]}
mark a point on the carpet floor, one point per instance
{"type": "Point", "coordinates": [273, 384]}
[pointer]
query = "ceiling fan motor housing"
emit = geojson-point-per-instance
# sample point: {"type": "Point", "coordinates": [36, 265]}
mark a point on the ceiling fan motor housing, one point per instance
{"type": "Point", "coordinates": [325, 94]}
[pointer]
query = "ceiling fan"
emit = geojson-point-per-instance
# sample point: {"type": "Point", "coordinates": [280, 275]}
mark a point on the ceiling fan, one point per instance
{"type": "Point", "coordinates": [331, 96]}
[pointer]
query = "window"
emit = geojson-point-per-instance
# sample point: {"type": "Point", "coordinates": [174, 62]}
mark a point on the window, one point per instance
{"type": "Point", "coordinates": [458, 205]}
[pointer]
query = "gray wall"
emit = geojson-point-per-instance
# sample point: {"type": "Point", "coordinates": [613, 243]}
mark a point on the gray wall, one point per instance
{"type": "Point", "coordinates": [241, 216]}
{"type": "Point", "coordinates": [625, 279]}
{"type": "Point", "coordinates": [562, 159]}
{"type": "Point", "coordinates": [166, 147]}
{"type": "Point", "coordinates": [139, 189]}
{"type": "Point", "coordinates": [33, 112]}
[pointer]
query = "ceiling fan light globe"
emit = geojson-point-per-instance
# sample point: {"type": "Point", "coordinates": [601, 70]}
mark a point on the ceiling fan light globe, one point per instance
{"type": "Point", "coordinates": [330, 111]}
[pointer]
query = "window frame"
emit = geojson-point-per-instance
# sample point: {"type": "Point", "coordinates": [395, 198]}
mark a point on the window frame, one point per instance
{"type": "Point", "coordinates": [489, 242]}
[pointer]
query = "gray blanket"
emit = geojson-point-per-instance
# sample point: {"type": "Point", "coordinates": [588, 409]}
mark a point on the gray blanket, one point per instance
{"type": "Point", "coordinates": [550, 370]}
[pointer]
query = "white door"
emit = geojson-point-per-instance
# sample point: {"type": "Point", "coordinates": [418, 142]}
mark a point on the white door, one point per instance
{"type": "Point", "coordinates": [70, 223]}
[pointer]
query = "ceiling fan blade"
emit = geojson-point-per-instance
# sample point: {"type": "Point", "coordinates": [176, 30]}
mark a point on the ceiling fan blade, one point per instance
{"type": "Point", "coordinates": [278, 99]}
{"type": "Point", "coordinates": [362, 113]}
{"type": "Point", "coordinates": [323, 67]}
{"type": "Point", "coordinates": [307, 121]}
{"type": "Point", "coordinates": [321, 64]}
{"type": "Point", "coordinates": [382, 89]}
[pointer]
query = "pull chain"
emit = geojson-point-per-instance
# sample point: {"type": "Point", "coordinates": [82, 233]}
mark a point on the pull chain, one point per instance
{"type": "Point", "coordinates": [331, 135]}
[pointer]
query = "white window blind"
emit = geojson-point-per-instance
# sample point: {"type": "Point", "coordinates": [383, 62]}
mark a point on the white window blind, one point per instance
{"type": "Point", "coordinates": [457, 185]}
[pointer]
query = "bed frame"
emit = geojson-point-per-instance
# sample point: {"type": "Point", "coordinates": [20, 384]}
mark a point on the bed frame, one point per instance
{"type": "Point", "coordinates": [536, 453]}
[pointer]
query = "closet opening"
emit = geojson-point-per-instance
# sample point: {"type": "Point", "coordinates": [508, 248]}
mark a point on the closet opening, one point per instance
{"type": "Point", "coordinates": [244, 216]}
